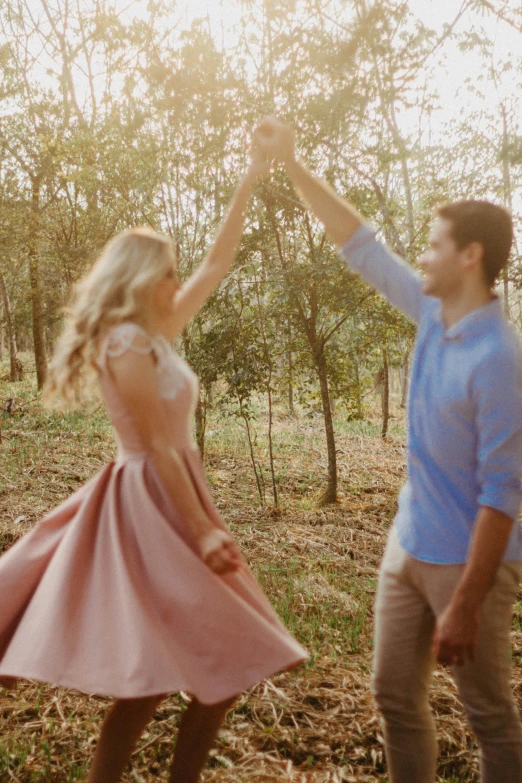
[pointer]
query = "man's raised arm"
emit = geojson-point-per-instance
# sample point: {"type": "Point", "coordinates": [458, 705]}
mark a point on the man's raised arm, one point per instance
{"type": "Point", "coordinates": [339, 218]}
{"type": "Point", "coordinates": [379, 267]}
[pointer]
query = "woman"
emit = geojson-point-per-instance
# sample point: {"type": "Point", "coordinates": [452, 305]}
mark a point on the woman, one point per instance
{"type": "Point", "coordinates": [133, 587]}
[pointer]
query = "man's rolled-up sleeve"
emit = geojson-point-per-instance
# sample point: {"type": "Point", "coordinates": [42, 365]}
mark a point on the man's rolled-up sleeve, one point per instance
{"type": "Point", "coordinates": [383, 270]}
{"type": "Point", "coordinates": [497, 390]}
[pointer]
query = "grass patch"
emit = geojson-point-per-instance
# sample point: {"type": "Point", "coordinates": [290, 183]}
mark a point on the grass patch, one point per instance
{"type": "Point", "coordinates": [325, 608]}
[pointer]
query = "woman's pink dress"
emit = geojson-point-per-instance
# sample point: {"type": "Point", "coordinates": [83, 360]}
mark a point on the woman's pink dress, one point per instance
{"type": "Point", "coordinates": [108, 594]}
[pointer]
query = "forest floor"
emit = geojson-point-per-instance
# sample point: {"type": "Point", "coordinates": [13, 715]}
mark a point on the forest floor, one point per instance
{"type": "Point", "coordinates": [318, 565]}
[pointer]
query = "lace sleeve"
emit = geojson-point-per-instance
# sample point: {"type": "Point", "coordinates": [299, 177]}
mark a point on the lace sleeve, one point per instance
{"type": "Point", "coordinates": [122, 338]}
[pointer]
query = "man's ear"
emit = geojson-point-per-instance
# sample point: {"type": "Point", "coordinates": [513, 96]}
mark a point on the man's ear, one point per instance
{"type": "Point", "coordinates": [472, 255]}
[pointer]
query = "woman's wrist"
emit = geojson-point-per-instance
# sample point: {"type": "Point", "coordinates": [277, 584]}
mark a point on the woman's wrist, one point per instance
{"type": "Point", "coordinates": [251, 174]}
{"type": "Point", "coordinates": [202, 528]}
{"type": "Point", "coordinates": [292, 163]}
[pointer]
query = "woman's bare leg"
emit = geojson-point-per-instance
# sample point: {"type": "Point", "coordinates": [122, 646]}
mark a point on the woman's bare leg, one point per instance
{"type": "Point", "coordinates": [197, 732]}
{"type": "Point", "coordinates": [121, 729]}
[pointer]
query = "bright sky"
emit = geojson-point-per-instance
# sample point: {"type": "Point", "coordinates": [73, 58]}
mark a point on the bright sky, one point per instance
{"type": "Point", "coordinates": [450, 75]}
{"type": "Point", "coordinates": [452, 67]}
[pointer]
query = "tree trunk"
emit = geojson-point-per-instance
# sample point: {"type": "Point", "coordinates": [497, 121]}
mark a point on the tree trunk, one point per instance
{"type": "Point", "coordinates": [330, 495]}
{"type": "Point", "coordinates": [385, 393]}
{"type": "Point", "coordinates": [290, 361]}
{"type": "Point", "coordinates": [309, 324]}
{"type": "Point", "coordinates": [405, 380]}
{"type": "Point", "coordinates": [358, 394]}
{"type": "Point", "coordinates": [14, 374]}
{"type": "Point", "coordinates": [36, 292]}
{"type": "Point", "coordinates": [268, 386]}
{"type": "Point", "coordinates": [258, 473]}
{"type": "Point", "coordinates": [200, 417]}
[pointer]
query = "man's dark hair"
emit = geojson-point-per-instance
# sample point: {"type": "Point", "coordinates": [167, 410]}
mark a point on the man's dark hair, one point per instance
{"type": "Point", "coordinates": [488, 224]}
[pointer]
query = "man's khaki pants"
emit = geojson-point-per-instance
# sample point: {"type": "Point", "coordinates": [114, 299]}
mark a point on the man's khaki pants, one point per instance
{"type": "Point", "coordinates": [410, 595]}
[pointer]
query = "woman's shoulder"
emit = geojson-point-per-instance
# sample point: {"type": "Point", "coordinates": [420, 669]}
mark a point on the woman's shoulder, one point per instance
{"type": "Point", "coordinates": [127, 336]}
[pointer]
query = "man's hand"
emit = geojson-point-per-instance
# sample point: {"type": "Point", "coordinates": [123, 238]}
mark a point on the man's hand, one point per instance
{"type": "Point", "coordinates": [456, 633]}
{"type": "Point", "coordinates": [456, 630]}
{"type": "Point", "coordinates": [219, 551]}
{"type": "Point", "coordinates": [276, 139]}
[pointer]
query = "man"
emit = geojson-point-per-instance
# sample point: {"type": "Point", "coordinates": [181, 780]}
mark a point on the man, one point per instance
{"type": "Point", "coordinates": [450, 573]}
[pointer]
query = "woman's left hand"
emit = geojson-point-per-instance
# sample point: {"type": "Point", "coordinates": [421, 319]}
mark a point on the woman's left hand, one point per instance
{"type": "Point", "coordinates": [219, 551]}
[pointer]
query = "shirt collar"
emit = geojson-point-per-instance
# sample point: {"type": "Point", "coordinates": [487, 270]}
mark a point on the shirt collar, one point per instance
{"type": "Point", "coordinates": [471, 322]}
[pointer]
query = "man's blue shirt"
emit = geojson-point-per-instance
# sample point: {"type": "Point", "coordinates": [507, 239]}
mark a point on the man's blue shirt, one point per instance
{"type": "Point", "coordinates": [464, 413]}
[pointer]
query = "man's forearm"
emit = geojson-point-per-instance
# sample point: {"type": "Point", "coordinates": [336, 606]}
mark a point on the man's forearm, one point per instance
{"type": "Point", "coordinates": [339, 218]}
{"type": "Point", "coordinates": [456, 630]}
{"type": "Point", "coordinates": [490, 538]}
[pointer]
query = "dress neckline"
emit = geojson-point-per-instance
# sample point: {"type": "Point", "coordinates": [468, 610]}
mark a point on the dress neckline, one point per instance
{"type": "Point", "coordinates": [155, 338]}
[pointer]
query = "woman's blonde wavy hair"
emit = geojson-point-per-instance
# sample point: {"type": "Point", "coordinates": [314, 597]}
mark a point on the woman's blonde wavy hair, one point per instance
{"type": "Point", "coordinates": [112, 291]}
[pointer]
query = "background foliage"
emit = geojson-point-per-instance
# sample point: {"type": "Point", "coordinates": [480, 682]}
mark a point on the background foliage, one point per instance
{"type": "Point", "coordinates": [116, 115]}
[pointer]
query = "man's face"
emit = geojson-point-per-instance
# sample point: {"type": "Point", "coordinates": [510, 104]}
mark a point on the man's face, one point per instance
{"type": "Point", "coordinates": [442, 263]}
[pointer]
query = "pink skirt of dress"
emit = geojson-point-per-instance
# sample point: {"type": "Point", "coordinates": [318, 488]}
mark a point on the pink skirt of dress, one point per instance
{"type": "Point", "coordinates": [108, 595]}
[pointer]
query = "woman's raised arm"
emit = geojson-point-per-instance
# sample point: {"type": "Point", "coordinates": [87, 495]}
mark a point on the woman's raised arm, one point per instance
{"type": "Point", "coordinates": [192, 295]}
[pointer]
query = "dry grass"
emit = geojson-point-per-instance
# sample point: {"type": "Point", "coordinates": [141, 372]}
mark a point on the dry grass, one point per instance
{"type": "Point", "coordinates": [319, 567]}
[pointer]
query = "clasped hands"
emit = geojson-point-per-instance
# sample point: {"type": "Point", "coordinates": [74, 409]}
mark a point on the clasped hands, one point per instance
{"type": "Point", "coordinates": [272, 140]}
